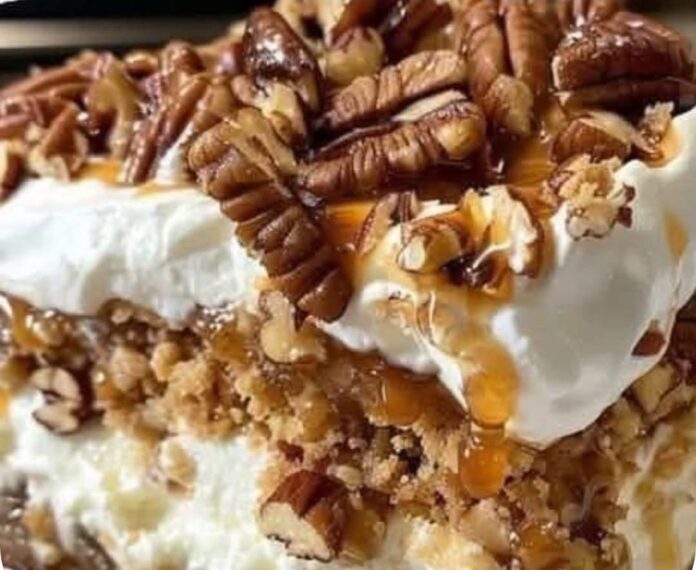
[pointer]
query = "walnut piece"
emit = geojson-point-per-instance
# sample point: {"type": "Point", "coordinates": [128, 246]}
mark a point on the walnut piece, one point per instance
{"type": "Point", "coordinates": [274, 52]}
{"type": "Point", "coordinates": [595, 200]}
{"type": "Point", "coordinates": [452, 133]}
{"type": "Point", "coordinates": [492, 230]}
{"type": "Point", "coordinates": [625, 62]}
{"type": "Point", "coordinates": [67, 400]}
{"type": "Point", "coordinates": [391, 210]}
{"type": "Point", "coordinates": [602, 135]}
{"type": "Point", "coordinates": [508, 49]}
{"type": "Point", "coordinates": [359, 52]}
{"type": "Point", "coordinates": [368, 99]}
{"type": "Point", "coordinates": [308, 512]}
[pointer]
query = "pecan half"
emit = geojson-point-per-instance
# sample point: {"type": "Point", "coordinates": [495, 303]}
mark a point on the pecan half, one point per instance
{"type": "Point", "coordinates": [67, 400]}
{"type": "Point", "coordinates": [596, 200]}
{"type": "Point", "coordinates": [274, 52]}
{"type": "Point", "coordinates": [623, 61]}
{"type": "Point", "coordinates": [452, 133]}
{"type": "Point", "coordinates": [339, 16]}
{"type": "Point", "coordinates": [409, 20]}
{"type": "Point", "coordinates": [491, 232]}
{"type": "Point", "coordinates": [371, 98]}
{"type": "Point", "coordinates": [242, 163]}
{"type": "Point", "coordinates": [309, 513]}
{"type": "Point", "coordinates": [603, 136]}
{"type": "Point", "coordinates": [508, 50]}
{"type": "Point", "coordinates": [63, 149]}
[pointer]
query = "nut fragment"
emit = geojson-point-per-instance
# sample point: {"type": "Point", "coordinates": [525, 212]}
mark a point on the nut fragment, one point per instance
{"type": "Point", "coordinates": [371, 98]}
{"type": "Point", "coordinates": [390, 210]}
{"type": "Point", "coordinates": [67, 400]}
{"type": "Point", "coordinates": [508, 51]}
{"type": "Point", "coordinates": [596, 201]}
{"type": "Point", "coordinates": [491, 230]}
{"type": "Point", "coordinates": [656, 122]}
{"type": "Point", "coordinates": [63, 149]}
{"type": "Point", "coordinates": [357, 53]}
{"type": "Point", "coordinates": [625, 62]}
{"type": "Point", "coordinates": [573, 13]}
{"type": "Point", "coordinates": [602, 136]}
{"type": "Point", "coordinates": [453, 133]}
{"type": "Point", "coordinates": [652, 342]}
{"type": "Point", "coordinates": [274, 52]}
{"type": "Point", "coordinates": [11, 169]}
{"type": "Point", "coordinates": [308, 512]}
{"type": "Point", "coordinates": [409, 20]}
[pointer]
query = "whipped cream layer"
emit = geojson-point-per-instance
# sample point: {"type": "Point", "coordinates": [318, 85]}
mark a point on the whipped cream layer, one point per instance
{"type": "Point", "coordinates": [214, 525]}
{"type": "Point", "coordinates": [571, 332]}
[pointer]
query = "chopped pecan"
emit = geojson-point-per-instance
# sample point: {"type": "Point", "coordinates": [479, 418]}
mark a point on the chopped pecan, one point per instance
{"type": "Point", "coordinates": [371, 98]}
{"type": "Point", "coordinates": [601, 135]}
{"type": "Point", "coordinates": [279, 104]}
{"type": "Point", "coordinates": [67, 400]}
{"type": "Point", "coordinates": [339, 16]}
{"type": "Point", "coordinates": [308, 512]}
{"type": "Point", "coordinates": [389, 211]}
{"type": "Point", "coordinates": [409, 20]}
{"type": "Point", "coordinates": [491, 230]}
{"type": "Point", "coordinates": [596, 200]}
{"type": "Point", "coordinates": [656, 122]}
{"type": "Point", "coordinates": [626, 61]}
{"type": "Point", "coordinates": [274, 52]}
{"type": "Point", "coordinates": [573, 13]}
{"type": "Point", "coordinates": [242, 163]}
{"type": "Point", "coordinates": [113, 104]}
{"type": "Point", "coordinates": [452, 133]}
{"type": "Point", "coordinates": [63, 150]}
{"type": "Point", "coordinates": [508, 49]}
{"type": "Point", "coordinates": [11, 168]}
{"type": "Point", "coordinates": [359, 52]}
{"type": "Point", "coordinates": [652, 342]}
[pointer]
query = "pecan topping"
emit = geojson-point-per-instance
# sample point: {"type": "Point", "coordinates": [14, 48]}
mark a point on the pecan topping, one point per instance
{"type": "Point", "coordinates": [274, 52]}
{"type": "Point", "coordinates": [596, 200]}
{"type": "Point", "coordinates": [453, 133]}
{"type": "Point", "coordinates": [409, 20]}
{"type": "Point", "coordinates": [625, 62]}
{"type": "Point", "coordinates": [359, 52]}
{"type": "Point", "coordinates": [11, 168]}
{"type": "Point", "coordinates": [339, 16]}
{"type": "Point", "coordinates": [651, 343]}
{"type": "Point", "coordinates": [572, 13]}
{"type": "Point", "coordinates": [508, 49]}
{"type": "Point", "coordinates": [67, 400]}
{"type": "Point", "coordinates": [601, 135]}
{"type": "Point", "coordinates": [389, 211]}
{"type": "Point", "coordinates": [308, 512]}
{"type": "Point", "coordinates": [371, 98]}
{"type": "Point", "coordinates": [656, 122]}
{"type": "Point", "coordinates": [63, 150]}
{"type": "Point", "coordinates": [493, 232]}
{"type": "Point", "coordinates": [242, 163]}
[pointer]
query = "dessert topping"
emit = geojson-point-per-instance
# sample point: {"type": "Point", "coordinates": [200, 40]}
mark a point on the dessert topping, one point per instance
{"type": "Point", "coordinates": [626, 62]}
{"type": "Point", "coordinates": [378, 96]}
{"type": "Point", "coordinates": [389, 211]}
{"type": "Point", "coordinates": [11, 168]}
{"type": "Point", "coordinates": [595, 200]}
{"type": "Point", "coordinates": [308, 512]}
{"type": "Point", "coordinates": [359, 52]}
{"type": "Point", "coordinates": [508, 48]}
{"type": "Point", "coordinates": [67, 400]}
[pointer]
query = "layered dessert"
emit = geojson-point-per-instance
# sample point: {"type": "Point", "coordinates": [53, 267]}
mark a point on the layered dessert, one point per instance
{"type": "Point", "coordinates": [402, 285]}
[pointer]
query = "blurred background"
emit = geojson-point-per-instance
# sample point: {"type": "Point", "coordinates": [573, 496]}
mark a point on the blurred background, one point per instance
{"type": "Point", "coordinates": [45, 31]}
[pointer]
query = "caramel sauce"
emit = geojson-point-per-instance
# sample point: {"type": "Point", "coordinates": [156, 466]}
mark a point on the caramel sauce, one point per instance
{"type": "Point", "coordinates": [22, 322]}
{"type": "Point", "coordinates": [677, 235]}
{"type": "Point", "coordinates": [363, 534]}
{"type": "Point", "coordinates": [484, 464]}
{"type": "Point", "coordinates": [108, 171]}
{"type": "Point", "coordinates": [5, 397]}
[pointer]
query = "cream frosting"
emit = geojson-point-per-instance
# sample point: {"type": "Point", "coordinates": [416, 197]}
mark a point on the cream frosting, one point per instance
{"type": "Point", "coordinates": [571, 332]}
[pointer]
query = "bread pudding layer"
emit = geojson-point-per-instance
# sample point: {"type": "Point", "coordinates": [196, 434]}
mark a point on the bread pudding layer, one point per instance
{"type": "Point", "coordinates": [74, 246]}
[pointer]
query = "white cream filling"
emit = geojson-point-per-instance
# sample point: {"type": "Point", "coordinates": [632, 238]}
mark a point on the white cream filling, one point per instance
{"type": "Point", "coordinates": [570, 332]}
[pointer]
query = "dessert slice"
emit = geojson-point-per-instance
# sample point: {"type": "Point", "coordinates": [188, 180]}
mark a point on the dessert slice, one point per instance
{"type": "Point", "coordinates": [360, 284]}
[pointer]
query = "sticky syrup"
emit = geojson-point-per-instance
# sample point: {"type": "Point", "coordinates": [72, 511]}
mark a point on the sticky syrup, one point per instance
{"type": "Point", "coordinates": [677, 235]}
{"type": "Point", "coordinates": [484, 464]}
{"type": "Point", "coordinates": [108, 171]}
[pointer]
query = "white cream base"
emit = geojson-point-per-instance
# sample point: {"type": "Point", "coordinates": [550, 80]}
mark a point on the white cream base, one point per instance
{"type": "Point", "coordinates": [101, 480]}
